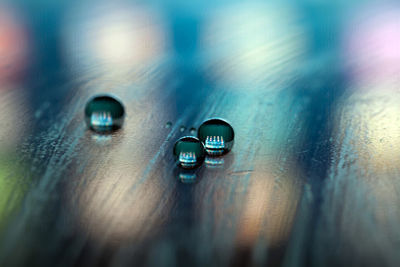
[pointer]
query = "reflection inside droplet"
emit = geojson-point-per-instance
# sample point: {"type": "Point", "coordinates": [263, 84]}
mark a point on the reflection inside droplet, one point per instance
{"type": "Point", "coordinates": [217, 136]}
{"type": "Point", "coordinates": [189, 152]}
{"type": "Point", "coordinates": [104, 113]}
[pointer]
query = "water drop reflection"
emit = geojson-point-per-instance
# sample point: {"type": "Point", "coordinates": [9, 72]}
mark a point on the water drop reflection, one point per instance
{"type": "Point", "coordinates": [13, 44]}
{"type": "Point", "coordinates": [371, 46]}
{"type": "Point", "coordinates": [214, 162]}
{"type": "Point", "coordinates": [187, 176]}
{"type": "Point", "coordinates": [114, 38]}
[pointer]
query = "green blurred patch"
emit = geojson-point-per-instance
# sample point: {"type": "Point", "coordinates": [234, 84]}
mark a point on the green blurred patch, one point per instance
{"type": "Point", "coordinates": [12, 187]}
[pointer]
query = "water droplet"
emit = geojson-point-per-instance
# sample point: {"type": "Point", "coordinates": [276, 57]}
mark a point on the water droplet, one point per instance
{"type": "Point", "coordinates": [182, 129]}
{"type": "Point", "coordinates": [104, 113]}
{"type": "Point", "coordinates": [168, 125]}
{"type": "Point", "coordinates": [217, 136]}
{"type": "Point", "coordinates": [189, 152]}
{"type": "Point", "coordinates": [192, 131]}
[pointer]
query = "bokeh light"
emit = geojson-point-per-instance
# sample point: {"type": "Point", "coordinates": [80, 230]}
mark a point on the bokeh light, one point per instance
{"type": "Point", "coordinates": [371, 46]}
{"type": "Point", "coordinates": [14, 45]}
{"type": "Point", "coordinates": [114, 38]}
{"type": "Point", "coordinates": [270, 208]}
{"type": "Point", "coordinates": [250, 43]}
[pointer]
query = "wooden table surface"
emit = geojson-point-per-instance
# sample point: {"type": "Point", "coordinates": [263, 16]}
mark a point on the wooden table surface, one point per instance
{"type": "Point", "coordinates": [311, 90]}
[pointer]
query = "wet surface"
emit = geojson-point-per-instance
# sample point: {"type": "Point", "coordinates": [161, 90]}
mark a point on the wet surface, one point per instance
{"type": "Point", "coordinates": [313, 176]}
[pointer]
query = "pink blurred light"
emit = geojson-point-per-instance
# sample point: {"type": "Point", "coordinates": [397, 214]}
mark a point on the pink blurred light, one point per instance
{"type": "Point", "coordinates": [13, 45]}
{"type": "Point", "coordinates": [372, 44]}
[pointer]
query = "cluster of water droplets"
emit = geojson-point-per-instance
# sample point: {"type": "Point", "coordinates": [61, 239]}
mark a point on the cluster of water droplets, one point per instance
{"type": "Point", "coordinates": [214, 138]}
{"type": "Point", "coordinates": [105, 113]}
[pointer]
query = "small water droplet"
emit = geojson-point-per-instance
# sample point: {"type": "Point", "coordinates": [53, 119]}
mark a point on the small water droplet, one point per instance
{"type": "Point", "coordinates": [192, 131]}
{"type": "Point", "coordinates": [104, 113]}
{"type": "Point", "coordinates": [182, 129]}
{"type": "Point", "coordinates": [217, 136]}
{"type": "Point", "coordinates": [189, 152]}
{"type": "Point", "coordinates": [168, 125]}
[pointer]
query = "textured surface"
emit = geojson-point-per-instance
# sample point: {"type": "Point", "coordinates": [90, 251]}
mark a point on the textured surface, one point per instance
{"type": "Point", "coordinates": [313, 177]}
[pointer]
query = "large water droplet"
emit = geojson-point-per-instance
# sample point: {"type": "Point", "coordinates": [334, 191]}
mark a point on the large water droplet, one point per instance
{"type": "Point", "coordinates": [104, 113]}
{"type": "Point", "coordinates": [217, 136]}
{"type": "Point", "coordinates": [189, 152]}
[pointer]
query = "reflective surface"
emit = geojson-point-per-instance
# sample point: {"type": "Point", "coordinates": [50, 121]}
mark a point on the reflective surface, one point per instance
{"type": "Point", "coordinates": [311, 89]}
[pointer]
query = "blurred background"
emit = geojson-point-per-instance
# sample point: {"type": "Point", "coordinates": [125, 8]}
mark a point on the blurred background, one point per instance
{"type": "Point", "coordinates": [311, 87]}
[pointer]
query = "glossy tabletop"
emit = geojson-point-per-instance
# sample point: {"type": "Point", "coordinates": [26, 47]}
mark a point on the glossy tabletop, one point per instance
{"type": "Point", "coordinates": [311, 89]}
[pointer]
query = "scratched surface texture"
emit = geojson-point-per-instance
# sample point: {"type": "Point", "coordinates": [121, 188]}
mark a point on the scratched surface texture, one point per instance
{"type": "Point", "coordinates": [311, 89]}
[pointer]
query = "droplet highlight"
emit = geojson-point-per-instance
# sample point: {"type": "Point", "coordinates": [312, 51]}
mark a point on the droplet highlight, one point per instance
{"type": "Point", "coordinates": [217, 136]}
{"type": "Point", "coordinates": [189, 152]}
{"type": "Point", "coordinates": [104, 113]}
{"type": "Point", "coordinates": [182, 128]}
